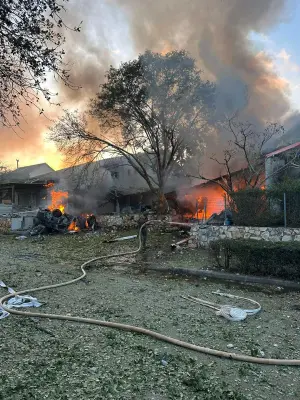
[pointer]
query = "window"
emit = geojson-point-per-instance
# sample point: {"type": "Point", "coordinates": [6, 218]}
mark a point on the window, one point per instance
{"type": "Point", "coordinates": [115, 174]}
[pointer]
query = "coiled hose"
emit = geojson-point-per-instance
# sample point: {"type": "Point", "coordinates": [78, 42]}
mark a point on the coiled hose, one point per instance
{"type": "Point", "coordinates": [131, 328]}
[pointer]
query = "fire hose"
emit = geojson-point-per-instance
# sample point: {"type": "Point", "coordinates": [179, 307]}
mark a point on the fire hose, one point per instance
{"type": "Point", "coordinates": [131, 328]}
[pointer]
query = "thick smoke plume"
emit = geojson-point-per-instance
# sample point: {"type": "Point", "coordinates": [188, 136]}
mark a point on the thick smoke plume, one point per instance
{"type": "Point", "coordinates": [83, 183]}
{"type": "Point", "coordinates": [89, 53]}
{"type": "Point", "coordinates": [88, 56]}
{"type": "Point", "coordinates": [215, 32]}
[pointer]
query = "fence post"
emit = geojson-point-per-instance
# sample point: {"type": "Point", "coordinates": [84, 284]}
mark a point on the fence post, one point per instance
{"type": "Point", "coordinates": [284, 209]}
{"type": "Point", "coordinates": [225, 208]}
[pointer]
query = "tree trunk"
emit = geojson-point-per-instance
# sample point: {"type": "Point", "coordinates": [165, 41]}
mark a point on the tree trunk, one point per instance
{"type": "Point", "coordinates": [163, 206]}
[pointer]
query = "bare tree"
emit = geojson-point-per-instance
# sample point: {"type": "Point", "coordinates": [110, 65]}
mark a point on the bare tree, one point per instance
{"type": "Point", "coordinates": [242, 162]}
{"type": "Point", "coordinates": [30, 48]}
{"type": "Point", "coordinates": [151, 111]}
{"type": "Point", "coordinates": [4, 169]}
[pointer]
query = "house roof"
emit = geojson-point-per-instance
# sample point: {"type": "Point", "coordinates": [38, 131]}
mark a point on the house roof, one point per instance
{"type": "Point", "coordinates": [74, 172]}
{"type": "Point", "coordinates": [283, 150]}
{"type": "Point", "coordinates": [25, 174]}
{"type": "Point", "coordinates": [127, 185]}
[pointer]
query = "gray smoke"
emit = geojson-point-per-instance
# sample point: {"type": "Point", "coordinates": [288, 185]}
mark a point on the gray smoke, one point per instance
{"type": "Point", "coordinates": [292, 133]}
{"type": "Point", "coordinates": [87, 185]}
{"type": "Point", "coordinates": [88, 53]}
{"type": "Point", "coordinates": [216, 33]}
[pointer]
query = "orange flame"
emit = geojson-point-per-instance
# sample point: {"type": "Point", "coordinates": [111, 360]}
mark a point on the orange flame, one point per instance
{"type": "Point", "coordinates": [86, 216]}
{"type": "Point", "coordinates": [49, 185]}
{"type": "Point", "coordinates": [205, 201]}
{"type": "Point", "coordinates": [57, 199]}
{"type": "Point", "coordinates": [73, 226]}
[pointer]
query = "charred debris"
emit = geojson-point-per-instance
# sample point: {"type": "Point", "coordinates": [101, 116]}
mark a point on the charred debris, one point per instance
{"type": "Point", "coordinates": [55, 221]}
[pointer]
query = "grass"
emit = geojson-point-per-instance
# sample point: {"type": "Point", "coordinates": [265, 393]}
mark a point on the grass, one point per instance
{"type": "Point", "coordinates": [53, 360]}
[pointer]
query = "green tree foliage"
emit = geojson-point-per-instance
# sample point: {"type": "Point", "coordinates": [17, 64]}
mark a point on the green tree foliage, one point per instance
{"type": "Point", "coordinates": [153, 111]}
{"type": "Point", "coordinates": [30, 47]}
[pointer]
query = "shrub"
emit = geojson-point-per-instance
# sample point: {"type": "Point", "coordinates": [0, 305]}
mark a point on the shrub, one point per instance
{"type": "Point", "coordinates": [249, 207]}
{"type": "Point", "coordinates": [255, 257]}
{"type": "Point", "coordinates": [291, 188]}
{"type": "Point", "coordinates": [256, 207]}
{"type": "Point", "coordinates": [259, 207]}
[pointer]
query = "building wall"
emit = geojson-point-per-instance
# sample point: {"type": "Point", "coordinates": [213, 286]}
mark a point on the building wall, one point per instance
{"type": "Point", "coordinates": [126, 179]}
{"type": "Point", "coordinates": [280, 162]}
{"type": "Point", "coordinates": [29, 197]}
{"type": "Point", "coordinates": [23, 195]}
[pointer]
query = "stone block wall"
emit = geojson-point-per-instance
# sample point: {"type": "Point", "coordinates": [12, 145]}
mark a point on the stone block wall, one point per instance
{"type": "Point", "coordinates": [202, 235]}
{"type": "Point", "coordinates": [126, 221]}
{"type": "Point", "coordinates": [5, 225]}
{"type": "Point", "coordinates": [118, 221]}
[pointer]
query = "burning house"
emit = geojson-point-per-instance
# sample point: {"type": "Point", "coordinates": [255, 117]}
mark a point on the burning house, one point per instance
{"type": "Point", "coordinates": [202, 201]}
{"type": "Point", "coordinates": [69, 199]}
{"type": "Point", "coordinates": [112, 186]}
{"type": "Point", "coordinates": [23, 188]}
{"type": "Point", "coordinates": [103, 187]}
{"type": "Point", "coordinates": [207, 199]}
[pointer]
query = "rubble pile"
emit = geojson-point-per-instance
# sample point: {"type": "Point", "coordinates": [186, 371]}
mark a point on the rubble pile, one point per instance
{"type": "Point", "coordinates": [55, 221]}
{"type": "Point", "coordinates": [47, 221]}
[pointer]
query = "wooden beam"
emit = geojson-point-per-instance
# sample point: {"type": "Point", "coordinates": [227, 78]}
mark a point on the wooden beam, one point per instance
{"type": "Point", "coordinates": [13, 194]}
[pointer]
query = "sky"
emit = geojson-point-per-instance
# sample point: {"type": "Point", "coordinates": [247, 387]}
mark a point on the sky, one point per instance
{"type": "Point", "coordinates": [109, 36]}
{"type": "Point", "coordinates": [281, 43]}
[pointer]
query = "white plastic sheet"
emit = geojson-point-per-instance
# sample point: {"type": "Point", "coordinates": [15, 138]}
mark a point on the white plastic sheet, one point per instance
{"type": "Point", "coordinates": [17, 301]}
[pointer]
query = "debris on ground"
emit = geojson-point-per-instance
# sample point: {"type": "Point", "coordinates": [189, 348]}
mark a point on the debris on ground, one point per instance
{"type": "Point", "coordinates": [17, 301]}
{"type": "Point", "coordinates": [120, 239]}
{"type": "Point", "coordinates": [83, 361]}
{"type": "Point", "coordinates": [22, 237]}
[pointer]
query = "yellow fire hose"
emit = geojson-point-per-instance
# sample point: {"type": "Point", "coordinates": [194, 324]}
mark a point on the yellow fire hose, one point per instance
{"type": "Point", "coordinates": [130, 328]}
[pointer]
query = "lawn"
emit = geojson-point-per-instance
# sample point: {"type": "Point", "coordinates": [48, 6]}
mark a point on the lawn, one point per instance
{"type": "Point", "coordinates": [42, 359]}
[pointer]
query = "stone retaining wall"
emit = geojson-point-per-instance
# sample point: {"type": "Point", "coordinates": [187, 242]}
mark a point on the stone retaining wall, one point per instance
{"type": "Point", "coordinates": [125, 221]}
{"type": "Point", "coordinates": [202, 235]}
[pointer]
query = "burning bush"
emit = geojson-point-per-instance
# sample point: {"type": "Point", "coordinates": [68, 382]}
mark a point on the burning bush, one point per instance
{"type": "Point", "coordinates": [265, 207]}
{"type": "Point", "coordinates": [249, 207]}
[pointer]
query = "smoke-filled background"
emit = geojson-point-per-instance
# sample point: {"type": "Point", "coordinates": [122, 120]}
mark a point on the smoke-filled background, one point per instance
{"type": "Point", "coordinates": [217, 33]}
